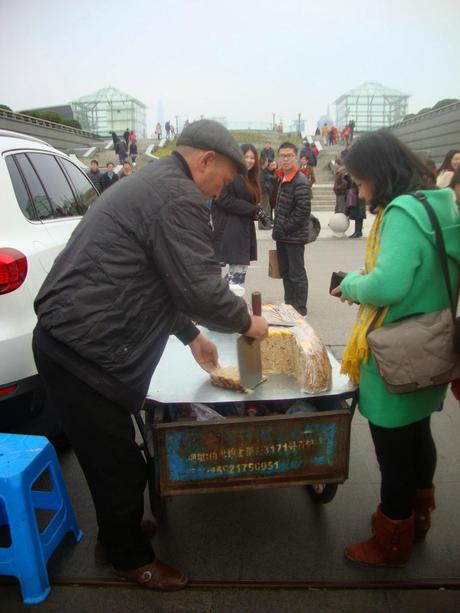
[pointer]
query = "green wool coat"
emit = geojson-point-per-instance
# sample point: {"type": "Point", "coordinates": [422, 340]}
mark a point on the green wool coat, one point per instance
{"type": "Point", "coordinates": [407, 278]}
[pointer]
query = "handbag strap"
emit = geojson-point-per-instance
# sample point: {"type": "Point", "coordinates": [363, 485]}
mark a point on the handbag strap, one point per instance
{"type": "Point", "coordinates": [441, 246]}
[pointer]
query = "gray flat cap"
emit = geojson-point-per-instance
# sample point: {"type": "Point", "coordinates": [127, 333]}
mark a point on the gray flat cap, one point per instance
{"type": "Point", "coordinates": [210, 135]}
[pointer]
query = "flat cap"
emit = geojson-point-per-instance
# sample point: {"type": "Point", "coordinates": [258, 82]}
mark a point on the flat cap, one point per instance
{"type": "Point", "coordinates": [210, 135]}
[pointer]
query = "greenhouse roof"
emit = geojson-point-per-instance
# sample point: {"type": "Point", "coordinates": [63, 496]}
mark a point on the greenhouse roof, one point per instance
{"type": "Point", "coordinates": [370, 89]}
{"type": "Point", "coordinates": [109, 94]}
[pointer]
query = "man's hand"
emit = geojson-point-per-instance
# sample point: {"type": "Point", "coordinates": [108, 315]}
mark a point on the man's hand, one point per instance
{"type": "Point", "coordinates": [258, 327]}
{"type": "Point", "coordinates": [205, 353]}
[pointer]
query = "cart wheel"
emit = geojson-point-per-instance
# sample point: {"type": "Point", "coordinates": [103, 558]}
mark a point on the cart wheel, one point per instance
{"type": "Point", "coordinates": [322, 492]}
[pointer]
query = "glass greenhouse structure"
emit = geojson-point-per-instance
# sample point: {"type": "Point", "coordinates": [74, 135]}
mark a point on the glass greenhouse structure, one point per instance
{"type": "Point", "coordinates": [110, 110]}
{"type": "Point", "coordinates": [371, 106]}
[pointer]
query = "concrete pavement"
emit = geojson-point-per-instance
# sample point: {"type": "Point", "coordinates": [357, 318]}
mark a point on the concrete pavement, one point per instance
{"type": "Point", "coordinates": [279, 533]}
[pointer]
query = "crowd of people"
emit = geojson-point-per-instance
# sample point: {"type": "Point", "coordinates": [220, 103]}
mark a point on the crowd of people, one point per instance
{"type": "Point", "coordinates": [332, 136]}
{"type": "Point", "coordinates": [169, 130]}
{"type": "Point", "coordinates": [276, 193]}
{"type": "Point", "coordinates": [96, 352]}
{"type": "Point", "coordinates": [353, 206]}
{"type": "Point", "coordinates": [124, 147]}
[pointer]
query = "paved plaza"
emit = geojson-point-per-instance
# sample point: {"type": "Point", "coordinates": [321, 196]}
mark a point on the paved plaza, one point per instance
{"type": "Point", "coordinates": [277, 534]}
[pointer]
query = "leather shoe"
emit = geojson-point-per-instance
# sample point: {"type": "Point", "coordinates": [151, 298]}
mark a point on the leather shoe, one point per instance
{"type": "Point", "coordinates": [156, 576]}
{"type": "Point", "coordinates": [148, 527]}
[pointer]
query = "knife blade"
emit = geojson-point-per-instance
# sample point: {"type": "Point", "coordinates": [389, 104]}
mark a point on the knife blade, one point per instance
{"type": "Point", "coordinates": [248, 350]}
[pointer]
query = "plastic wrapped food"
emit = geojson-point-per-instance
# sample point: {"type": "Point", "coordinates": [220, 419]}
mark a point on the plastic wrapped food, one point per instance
{"type": "Point", "coordinates": [295, 350]}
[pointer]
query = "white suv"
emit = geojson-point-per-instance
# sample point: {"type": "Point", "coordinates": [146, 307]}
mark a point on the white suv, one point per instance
{"type": "Point", "coordinates": [43, 196]}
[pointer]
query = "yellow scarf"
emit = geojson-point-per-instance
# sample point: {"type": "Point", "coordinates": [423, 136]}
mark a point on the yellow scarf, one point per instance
{"type": "Point", "coordinates": [357, 349]}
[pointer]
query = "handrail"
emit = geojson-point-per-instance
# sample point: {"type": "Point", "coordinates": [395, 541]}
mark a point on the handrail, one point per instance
{"type": "Point", "coordinates": [44, 123]}
{"type": "Point", "coordinates": [433, 112]}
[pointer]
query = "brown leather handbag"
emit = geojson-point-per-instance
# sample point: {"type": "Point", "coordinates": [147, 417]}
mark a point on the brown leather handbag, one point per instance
{"type": "Point", "coordinates": [422, 350]}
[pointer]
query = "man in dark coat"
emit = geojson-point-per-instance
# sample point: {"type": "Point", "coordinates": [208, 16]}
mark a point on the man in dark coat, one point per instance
{"type": "Point", "coordinates": [139, 267]}
{"type": "Point", "coordinates": [290, 230]}
{"type": "Point", "coordinates": [308, 152]}
{"type": "Point", "coordinates": [109, 178]}
{"type": "Point", "coordinates": [122, 151]}
{"type": "Point", "coordinates": [95, 175]}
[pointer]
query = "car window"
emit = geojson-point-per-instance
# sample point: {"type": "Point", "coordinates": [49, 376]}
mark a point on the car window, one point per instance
{"type": "Point", "coordinates": [57, 188]}
{"type": "Point", "coordinates": [39, 197]}
{"type": "Point", "coordinates": [85, 191]}
{"type": "Point", "coordinates": [22, 195]}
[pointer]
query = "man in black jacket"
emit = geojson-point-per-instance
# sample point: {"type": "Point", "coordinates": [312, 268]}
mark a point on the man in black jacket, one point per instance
{"type": "Point", "coordinates": [109, 178]}
{"type": "Point", "coordinates": [95, 175]}
{"type": "Point", "coordinates": [290, 231]}
{"type": "Point", "coordinates": [139, 267]}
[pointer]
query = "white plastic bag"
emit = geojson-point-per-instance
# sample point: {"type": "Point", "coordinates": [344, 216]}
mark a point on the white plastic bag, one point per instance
{"type": "Point", "coordinates": [204, 413]}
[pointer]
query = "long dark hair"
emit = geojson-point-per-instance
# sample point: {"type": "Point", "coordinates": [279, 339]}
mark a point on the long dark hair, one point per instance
{"type": "Point", "coordinates": [447, 161]}
{"type": "Point", "coordinates": [391, 167]}
{"type": "Point", "coordinates": [455, 179]}
{"type": "Point", "coordinates": [253, 178]}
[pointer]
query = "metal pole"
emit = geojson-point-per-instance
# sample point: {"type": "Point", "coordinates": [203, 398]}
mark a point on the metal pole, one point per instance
{"type": "Point", "coordinates": [273, 121]}
{"type": "Point", "coordinates": [177, 125]}
{"type": "Point", "coordinates": [299, 124]}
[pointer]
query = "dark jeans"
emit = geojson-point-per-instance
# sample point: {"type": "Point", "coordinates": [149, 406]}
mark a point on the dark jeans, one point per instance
{"type": "Point", "coordinates": [291, 262]}
{"type": "Point", "coordinates": [407, 460]}
{"type": "Point", "coordinates": [102, 435]}
{"type": "Point", "coordinates": [359, 226]}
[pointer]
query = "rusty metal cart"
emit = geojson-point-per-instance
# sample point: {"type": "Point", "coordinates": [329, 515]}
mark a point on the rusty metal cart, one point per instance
{"type": "Point", "coordinates": [187, 457]}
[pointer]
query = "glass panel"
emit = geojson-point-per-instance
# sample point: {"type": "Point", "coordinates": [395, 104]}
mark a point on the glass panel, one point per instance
{"type": "Point", "coordinates": [22, 195]}
{"type": "Point", "coordinates": [85, 191]}
{"type": "Point", "coordinates": [39, 197]}
{"type": "Point", "coordinates": [57, 187]}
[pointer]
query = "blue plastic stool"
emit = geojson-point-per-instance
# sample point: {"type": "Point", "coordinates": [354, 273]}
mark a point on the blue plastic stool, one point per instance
{"type": "Point", "coordinates": [23, 459]}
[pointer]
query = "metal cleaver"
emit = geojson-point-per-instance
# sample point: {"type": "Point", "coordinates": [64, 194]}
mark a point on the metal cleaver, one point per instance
{"type": "Point", "coordinates": [248, 349]}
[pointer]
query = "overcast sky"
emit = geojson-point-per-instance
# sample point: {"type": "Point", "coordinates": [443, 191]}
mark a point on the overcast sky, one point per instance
{"type": "Point", "coordinates": [240, 59]}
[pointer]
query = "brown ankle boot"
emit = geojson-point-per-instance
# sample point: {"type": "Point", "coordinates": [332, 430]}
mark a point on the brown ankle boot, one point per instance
{"type": "Point", "coordinates": [390, 545]}
{"type": "Point", "coordinates": [424, 504]}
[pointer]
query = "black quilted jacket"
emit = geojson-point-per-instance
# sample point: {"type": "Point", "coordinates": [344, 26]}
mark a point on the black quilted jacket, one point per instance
{"type": "Point", "coordinates": [138, 267]}
{"type": "Point", "coordinates": [293, 205]}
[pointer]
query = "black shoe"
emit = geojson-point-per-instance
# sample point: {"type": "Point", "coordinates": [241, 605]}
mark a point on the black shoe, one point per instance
{"type": "Point", "coordinates": [357, 235]}
{"type": "Point", "coordinates": [352, 235]}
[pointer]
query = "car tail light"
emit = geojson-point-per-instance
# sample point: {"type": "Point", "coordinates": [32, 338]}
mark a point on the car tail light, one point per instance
{"type": "Point", "coordinates": [13, 269]}
{"type": "Point", "coordinates": [7, 390]}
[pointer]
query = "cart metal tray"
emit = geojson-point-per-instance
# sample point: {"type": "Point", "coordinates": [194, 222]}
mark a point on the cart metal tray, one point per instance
{"type": "Point", "coordinates": [178, 378]}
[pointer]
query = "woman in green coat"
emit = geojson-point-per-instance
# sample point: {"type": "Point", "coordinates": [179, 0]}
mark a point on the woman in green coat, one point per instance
{"type": "Point", "coordinates": [403, 274]}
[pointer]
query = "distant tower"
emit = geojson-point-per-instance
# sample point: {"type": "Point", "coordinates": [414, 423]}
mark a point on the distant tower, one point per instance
{"type": "Point", "coordinates": [160, 112]}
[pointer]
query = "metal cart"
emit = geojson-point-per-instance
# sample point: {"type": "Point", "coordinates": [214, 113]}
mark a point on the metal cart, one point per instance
{"type": "Point", "coordinates": [189, 457]}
